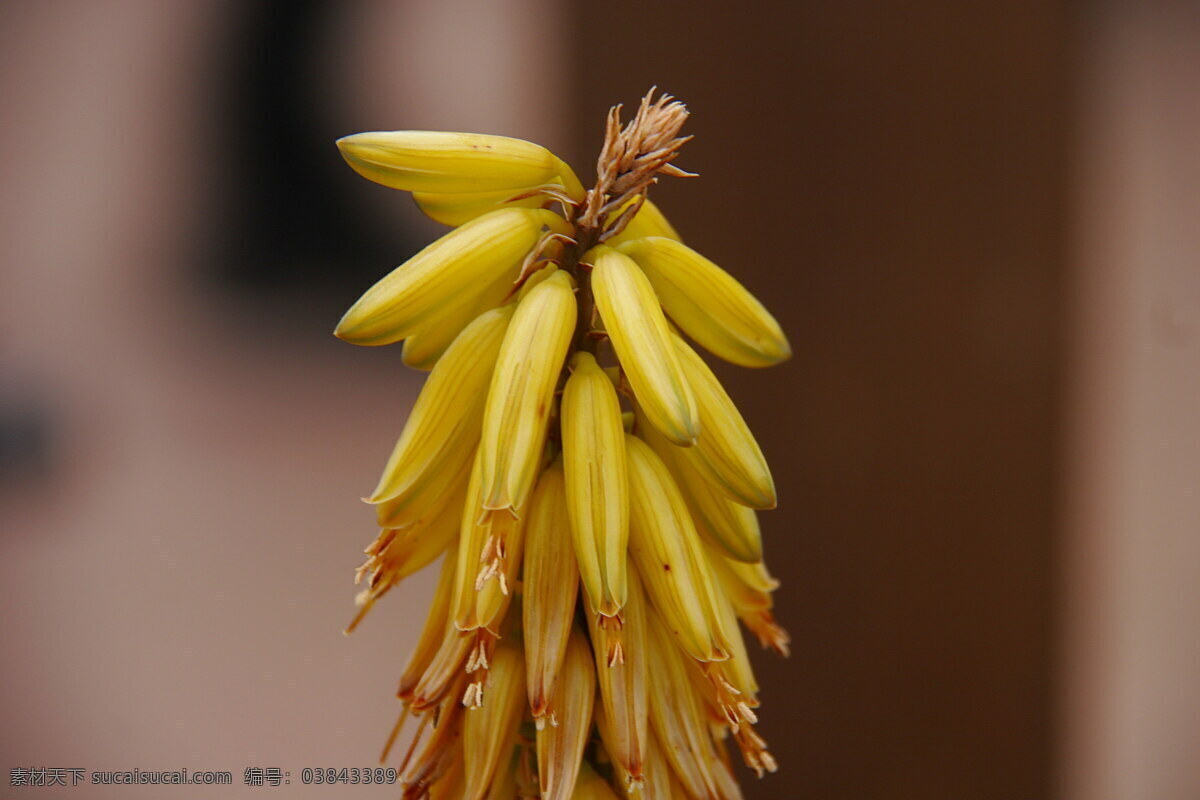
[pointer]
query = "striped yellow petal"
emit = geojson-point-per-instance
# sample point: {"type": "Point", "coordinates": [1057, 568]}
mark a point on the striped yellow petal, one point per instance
{"type": "Point", "coordinates": [521, 396]}
{"type": "Point", "coordinates": [593, 441]}
{"type": "Point", "coordinates": [550, 585]}
{"type": "Point", "coordinates": [460, 208]}
{"type": "Point", "coordinates": [489, 730]}
{"type": "Point", "coordinates": [436, 161]}
{"type": "Point", "coordinates": [708, 304]}
{"type": "Point", "coordinates": [560, 747]}
{"type": "Point", "coordinates": [623, 681]}
{"type": "Point", "coordinates": [489, 559]}
{"type": "Point", "coordinates": [423, 349]}
{"type": "Point", "coordinates": [640, 335]}
{"type": "Point", "coordinates": [726, 453]}
{"type": "Point", "coordinates": [434, 631]}
{"type": "Point", "coordinates": [443, 427]}
{"type": "Point", "coordinates": [669, 555]}
{"type": "Point", "coordinates": [648, 221]}
{"type": "Point", "coordinates": [731, 526]}
{"type": "Point", "coordinates": [436, 278]}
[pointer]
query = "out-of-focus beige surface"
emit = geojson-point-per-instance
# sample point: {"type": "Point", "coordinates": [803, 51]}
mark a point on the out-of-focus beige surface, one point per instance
{"type": "Point", "coordinates": [174, 589]}
{"type": "Point", "coordinates": [1131, 615]}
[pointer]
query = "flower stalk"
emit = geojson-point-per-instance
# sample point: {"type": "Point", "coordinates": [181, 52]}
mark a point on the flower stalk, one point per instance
{"type": "Point", "coordinates": [587, 481]}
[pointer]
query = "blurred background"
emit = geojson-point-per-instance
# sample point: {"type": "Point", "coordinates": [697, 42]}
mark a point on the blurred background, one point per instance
{"type": "Point", "coordinates": [978, 223]}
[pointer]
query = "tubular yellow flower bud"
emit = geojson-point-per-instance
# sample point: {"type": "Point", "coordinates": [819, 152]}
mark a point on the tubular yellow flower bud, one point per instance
{"type": "Point", "coordinates": [421, 288]}
{"type": "Point", "coordinates": [623, 684]}
{"type": "Point", "coordinates": [443, 427]}
{"type": "Point", "coordinates": [726, 452]}
{"type": "Point", "coordinates": [669, 556]}
{"type": "Point", "coordinates": [731, 526]}
{"type": "Point", "coordinates": [560, 747]}
{"type": "Point", "coordinates": [517, 413]}
{"type": "Point", "coordinates": [597, 484]}
{"type": "Point", "coordinates": [648, 221]}
{"type": "Point", "coordinates": [429, 161]}
{"type": "Point", "coordinates": [640, 335]}
{"type": "Point", "coordinates": [489, 731]}
{"type": "Point", "coordinates": [551, 583]}
{"type": "Point", "coordinates": [708, 304]}
{"type": "Point", "coordinates": [460, 208]}
{"type": "Point", "coordinates": [423, 349]}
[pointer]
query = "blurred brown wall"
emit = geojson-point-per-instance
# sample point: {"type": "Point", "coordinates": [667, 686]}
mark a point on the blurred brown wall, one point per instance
{"type": "Point", "coordinates": [889, 178]}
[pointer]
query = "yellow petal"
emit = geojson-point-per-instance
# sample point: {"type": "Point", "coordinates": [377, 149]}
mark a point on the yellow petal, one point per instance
{"type": "Point", "coordinates": [648, 221]}
{"type": "Point", "coordinates": [560, 747]}
{"type": "Point", "coordinates": [726, 452]}
{"type": "Point", "coordinates": [437, 623]}
{"type": "Point", "coordinates": [593, 441]}
{"type": "Point", "coordinates": [489, 730]}
{"type": "Point", "coordinates": [436, 278]}
{"type": "Point", "coordinates": [423, 349]}
{"type": "Point", "coordinates": [443, 427]}
{"type": "Point", "coordinates": [460, 208]}
{"type": "Point", "coordinates": [709, 304]}
{"type": "Point", "coordinates": [521, 396]}
{"type": "Point", "coordinates": [669, 556]}
{"type": "Point", "coordinates": [550, 585]}
{"type": "Point", "coordinates": [623, 684]}
{"type": "Point", "coordinates": [731, 526]}
{"type": "Point", "coordinates": [640, 335]}
{"type": "Point", "coordinates": [435, 161]}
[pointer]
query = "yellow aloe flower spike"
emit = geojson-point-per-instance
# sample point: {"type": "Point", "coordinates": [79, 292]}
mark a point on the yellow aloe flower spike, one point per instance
{"type": "Point", "coordinates": [551, 583]}
{"type": "Point", "coordinates": [640, 335]}
{"type": "Point", "coordinates": [731, 526]}
{"type": "Point", "coordinates": [435, 161]}
{"type": "Point", "coordinates": [560, 747]}
{"type": "Point", "coordinates": [593, 440]}
{"type": "Point", "coordinates": [443, 427]}
{"type": "Point", "coordinates": [669, 556]}
{"type": "Point", "coordinates": [519, 402]}
{"type": "Point", "coordinates": [726, 452]}
{"type": "Point", "coordinates": [489, 731]}
{"type": "Point", "coordinates": [566, 436]}
{"type": "Point", "coordinates": [708, 304]}
{"type": "Point", "coordinates": [422, 288]}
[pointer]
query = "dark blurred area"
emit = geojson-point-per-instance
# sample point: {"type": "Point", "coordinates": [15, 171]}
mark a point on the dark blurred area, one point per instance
{"type": "Point", "coordinates": [977, 223]}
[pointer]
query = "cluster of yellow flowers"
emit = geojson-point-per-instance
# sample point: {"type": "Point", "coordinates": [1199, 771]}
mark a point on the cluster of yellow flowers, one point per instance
{"type": "Point", "coordinates": [569, 435]}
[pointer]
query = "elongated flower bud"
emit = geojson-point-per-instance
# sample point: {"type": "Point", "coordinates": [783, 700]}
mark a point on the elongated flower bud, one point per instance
{"type": "Point", "coordinates": [640, 335]}
{"type": "Point", "coordinates": [423, 349]}
{"type": "Point", "coordinates": [428, 161]}
{"type": "Point", "coordinates": [597, 484]}
{"type": "Point", "coordinates": [560, 747]}
{"type": "Point", "coordinates": [669, 556]}
{"type": "Point", "coordinates": [443, 427]}
{"type": "Point", "coordinates": [551, 583]}
{"type": "Point", "coordinates": [726, 452]}
{"type": "Point", "coordinates": [623, 684]}
{"type": "Point", "coordinates": [421, 288]}
{"type": "Point", "coordinates": [730, 526]}
{"type": "Point", "coordinates": [489, 557]}
{"type": "Point", "coordinates": [489, 731]}
{"type": "Point", "coordinates": [708, 304]}
{"type": "Point", "coordinates": [460, 208]}
{"type": "Point", "coordinates": [519, 401]}
{"type": "Point", "coordinates": [648, 221]}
